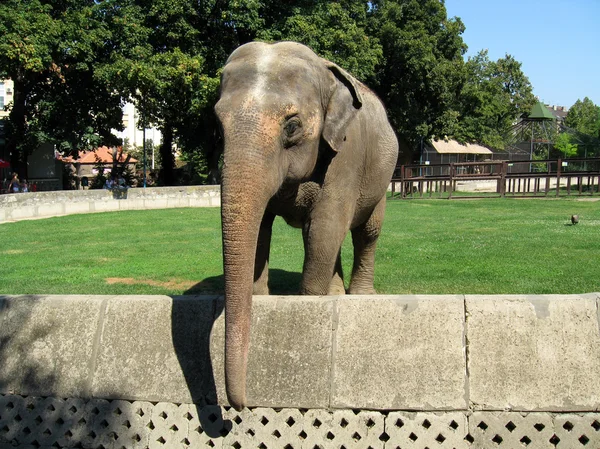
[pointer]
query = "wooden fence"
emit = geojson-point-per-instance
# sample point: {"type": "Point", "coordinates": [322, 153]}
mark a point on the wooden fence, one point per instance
{"type": "Point", "coordinates": [533, 178]}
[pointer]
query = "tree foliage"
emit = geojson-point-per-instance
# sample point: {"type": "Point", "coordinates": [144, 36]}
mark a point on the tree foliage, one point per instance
{"type": "Point", "coordinates": [49, 49]}
{"type": "Point", "coordinates": [421, 73]}
{"type": "Point", "coordinates": [564, 143]}
{"type": "Point", "coordinates": [74, 62]}
{"type": "Point", "coordinates": [584, 116]}
{"type": "Point", "coordinates": [583, 119]}
{"type": "Point", "coordinates": [495, 95]}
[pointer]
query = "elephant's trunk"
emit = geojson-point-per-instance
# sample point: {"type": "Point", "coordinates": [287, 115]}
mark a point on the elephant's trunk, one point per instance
{"type": "Point", "coordinates": [244, 197]}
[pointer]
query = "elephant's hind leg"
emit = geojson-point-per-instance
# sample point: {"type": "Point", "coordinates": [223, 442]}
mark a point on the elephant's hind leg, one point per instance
{"type": "Point", "coordinates": [364, 239]}
{"type": "Point", "coordinates": [261, 261]}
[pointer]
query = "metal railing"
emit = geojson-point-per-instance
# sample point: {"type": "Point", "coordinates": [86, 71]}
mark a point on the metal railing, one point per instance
{"type": "Point", "coordinates": [531, 178]}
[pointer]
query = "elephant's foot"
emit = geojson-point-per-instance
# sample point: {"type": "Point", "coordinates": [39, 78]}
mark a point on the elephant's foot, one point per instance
{"type": "Point", "coordinates": [358, 289]}
{"type": "Point", "coordinates": [336, 287]}
{"type": "Point", "coordinates": [337, 290]}
{"type": "Point", "coordinates": [260, 288]}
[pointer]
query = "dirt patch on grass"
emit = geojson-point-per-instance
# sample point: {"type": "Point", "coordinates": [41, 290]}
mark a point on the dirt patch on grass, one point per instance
{"type": "Point", "coordinates": [175, 284]}
{"type": "Point", "coordinates": [13, 251]}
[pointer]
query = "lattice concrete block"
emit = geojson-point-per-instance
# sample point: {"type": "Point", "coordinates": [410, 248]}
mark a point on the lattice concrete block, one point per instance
{"type": "Point", "coordinates": [206, 426]}
{"type": "Point", "coordinates": [344, 429]}
{"type": "Point", "coordinates": [144, 356]}
{"type": "Point", "coordinates": [577, 431]}
{"type": "Point", "coordinates": [250, 428]}
{"type": "Point", "coordinates": [290, 352]}
{"type": "Point", "coordinates": [534, 353]}
{"type": "Point", "coordinates": [400, 353]}
{"type": "Point", "coordinates": [96, 423]}
{"type": "Point", "coordinates": [427, 430]}
{"type": "Point", "coordinates": [169, 426]}
{"type": "Point", "coordinates": [534, 430]}
{"type": "Point", "coordinates": [47, 344]}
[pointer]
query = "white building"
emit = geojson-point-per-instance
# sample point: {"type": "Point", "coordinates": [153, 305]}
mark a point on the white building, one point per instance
{"type": "Point", "coordinates": [133, 132]}
{"type": "Point", "coordinates": [6, 97]}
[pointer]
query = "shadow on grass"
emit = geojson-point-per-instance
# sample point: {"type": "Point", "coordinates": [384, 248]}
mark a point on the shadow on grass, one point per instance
{"type": "Point", "coordinates": [281, 282]}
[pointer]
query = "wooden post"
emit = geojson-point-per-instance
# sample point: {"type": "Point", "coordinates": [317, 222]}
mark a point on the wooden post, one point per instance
{"type": "Point", "coordinates": [402, 188]}
{"type": "Point", "coordinates": [451, 180]}
{"type": "Point", "coordinates": [558, 169]}
{"type": "Point", "coordinates": [502, 180]}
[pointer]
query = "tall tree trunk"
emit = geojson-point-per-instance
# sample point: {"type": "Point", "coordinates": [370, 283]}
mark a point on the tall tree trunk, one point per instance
{"type": "Point", "coordinates": [16, 129]}
{"type": "Point", "coordinates": [167, 157]}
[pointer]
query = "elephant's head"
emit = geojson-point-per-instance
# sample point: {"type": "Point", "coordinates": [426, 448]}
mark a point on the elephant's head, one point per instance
{"type": "Point", "coordinates": [278, 104]}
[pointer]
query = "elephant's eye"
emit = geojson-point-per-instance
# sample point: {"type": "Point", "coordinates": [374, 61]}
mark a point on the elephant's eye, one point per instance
{"type": "Point", "coordinates": [292, 126]}
{"type": "Point", "coordinates": [291, 131]}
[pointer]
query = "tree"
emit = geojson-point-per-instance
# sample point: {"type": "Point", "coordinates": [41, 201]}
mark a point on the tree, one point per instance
{"type": "Point", "coordinates": [495, 95]}
{"type": "Point", "coordinates": [421, 73]}
{"type": "Point", "coordinates": [583, 119]}
{"type": "Point", "coordinates": [164, 73]}
{"type": "Point", "coordinates": [49, 50]}
{"type": "Point", "coordinates": [584, 116]}
{"type": "Point", "coordinates": [75, 61]}
{"type": "Point", "coordinates": [564, 143]}
{"type": "Point", "coordinates": [336, 31]}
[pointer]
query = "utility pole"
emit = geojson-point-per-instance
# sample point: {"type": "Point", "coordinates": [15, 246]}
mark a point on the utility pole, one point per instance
{"type": "Point", "coordinates": [144, 140]}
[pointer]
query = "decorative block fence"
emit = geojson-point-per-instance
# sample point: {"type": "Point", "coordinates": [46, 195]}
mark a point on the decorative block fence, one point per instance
{"type": "Point", "coordinates": [324, 372]}
{"type": "Point", "coordinates": [22, 206]}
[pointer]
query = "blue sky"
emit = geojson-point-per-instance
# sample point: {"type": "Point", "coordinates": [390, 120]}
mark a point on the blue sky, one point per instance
{"type": "Point", "coordinates": [557, 42]}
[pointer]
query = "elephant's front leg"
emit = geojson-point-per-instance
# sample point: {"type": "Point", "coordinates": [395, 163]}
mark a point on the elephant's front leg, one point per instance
{"type": "Point", "coordinates": [261, 261]}
{"type": "Point", "coordinates": [364, 240]}
{"type": "Point", "coordinates": [336, 286]}
{"type": "Point", "coordinates": [322, 271]}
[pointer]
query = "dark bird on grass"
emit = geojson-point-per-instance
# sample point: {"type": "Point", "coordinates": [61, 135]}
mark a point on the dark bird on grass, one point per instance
{"type": "Point", "coordinates": [574, 219]}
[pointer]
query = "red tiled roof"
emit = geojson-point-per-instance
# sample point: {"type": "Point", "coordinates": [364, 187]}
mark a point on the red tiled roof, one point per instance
{"type": "Point", "coordinates": [103, 153]}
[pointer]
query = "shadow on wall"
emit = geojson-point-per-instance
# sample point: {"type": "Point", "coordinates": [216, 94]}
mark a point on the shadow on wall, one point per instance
{"type": "Point", "coordinates": [30, 375]}
{"type": "Point", "coordinates": [191, 328]}
{"type": "Point", "coordinates": [40, 363]}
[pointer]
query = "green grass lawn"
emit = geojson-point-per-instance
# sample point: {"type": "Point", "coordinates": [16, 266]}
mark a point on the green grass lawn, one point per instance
{"type": "Point", "coordinates": [489, 246]}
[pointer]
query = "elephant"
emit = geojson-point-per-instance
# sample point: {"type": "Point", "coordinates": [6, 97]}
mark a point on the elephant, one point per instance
{"type": "Point", "coordinates": [306, 141]}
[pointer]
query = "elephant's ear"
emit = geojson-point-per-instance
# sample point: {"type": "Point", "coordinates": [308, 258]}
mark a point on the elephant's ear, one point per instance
{"type": "Point", "coordinates": [344, 103]}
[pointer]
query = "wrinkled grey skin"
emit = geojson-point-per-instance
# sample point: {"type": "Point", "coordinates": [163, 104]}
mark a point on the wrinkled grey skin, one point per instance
{"type": "Point", "coordinates": [306, 141]}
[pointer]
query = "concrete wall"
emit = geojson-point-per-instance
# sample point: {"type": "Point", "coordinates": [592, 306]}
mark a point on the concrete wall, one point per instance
{"type": "Point", "coordinates": [493, 353]}
{"type": "Point", "coordinates": [324, 372]}
{"type": "Point", "coordinates": [21, 206]}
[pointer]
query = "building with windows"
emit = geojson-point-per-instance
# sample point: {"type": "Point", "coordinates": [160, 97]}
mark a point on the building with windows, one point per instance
{"type": "Point", "coordinates": [6, 96]}
{"type": "Point", "coordinates": [134, 131]}
{"type": "Point", "coordinates": [43, 164]}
